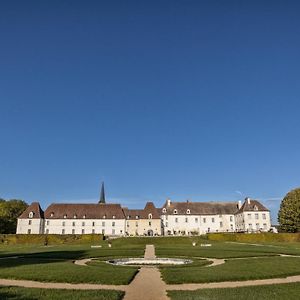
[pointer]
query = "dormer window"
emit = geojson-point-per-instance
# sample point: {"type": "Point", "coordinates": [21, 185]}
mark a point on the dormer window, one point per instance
{"type": "Point", "coordinates": [84, 216]}
{"type": "Point", "coordinates": [30, 215]}
{"type": "Point", "coordinates": [75, 217]}
{"type": "Point", "coordinates": [255, 207]}
{"type": "Point", "coordinates": [114, 217]}
{"type": "Point", "coordinates": [128, 217]}
{"type": "Point", "coordinates": [175, 211]}
{"type": "Point", "coordinates": [188, 212]}
{"type": "Point", "coordinates": [164, 210]}
{"type": "Point", "coordinates": [150, 216]}
{"type": "Point", "coordinates": [136, 217]}
{"type": "Point", "coordinates": [52, 214]}
{"type": "Point", "coordinates": [104, 217]}
{"type": "Point", "coordinates": [65, 216]}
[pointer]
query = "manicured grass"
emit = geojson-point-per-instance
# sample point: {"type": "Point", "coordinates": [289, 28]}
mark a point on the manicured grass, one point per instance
{"type": "Point", "coordinates": [236, 269]}
{"type": "Point", "coordinates": [18, 293]}
{"type": "Point", "coordinates": [55, 263]}
{"type": "Point", "coordinates": [40, 269]}
{"type": "Point", "coordinates": [287, 291]}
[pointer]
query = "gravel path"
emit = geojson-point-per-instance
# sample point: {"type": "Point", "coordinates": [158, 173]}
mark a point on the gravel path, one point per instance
{"type": "Point", "coordinates": [149, 252]}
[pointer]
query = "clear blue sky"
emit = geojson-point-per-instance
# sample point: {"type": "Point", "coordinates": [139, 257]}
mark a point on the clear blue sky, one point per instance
{"type": "Point", "coordinates": [180, 99]}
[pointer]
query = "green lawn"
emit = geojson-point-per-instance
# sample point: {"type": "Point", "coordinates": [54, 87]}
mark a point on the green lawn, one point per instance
{"type": "Point", "coordinates": [287, 291]}
{"type": "Point", "coordinates": [18, 293]}
{"type": "Point", "coordinates": [235, 269]}
{"type": "Point", "coordinates": [55, 263]}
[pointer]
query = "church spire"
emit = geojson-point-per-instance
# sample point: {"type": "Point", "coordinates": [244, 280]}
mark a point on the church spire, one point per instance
{"type": "Point", "coordinates": [102, 194]}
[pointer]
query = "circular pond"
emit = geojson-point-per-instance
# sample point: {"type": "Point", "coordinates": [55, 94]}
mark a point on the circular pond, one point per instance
{"type": "Point", "coordinates": [154, 261]}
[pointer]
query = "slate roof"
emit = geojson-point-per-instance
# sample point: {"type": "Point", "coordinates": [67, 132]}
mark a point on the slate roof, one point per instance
{"type": "Point", "coordinates": [201, 208]}
{"type": "Point", "coordinates": [254, 205]}
{"type": "Point", "coordinates": [84, 211]}
{"type": "Point", "coordinates": [34, 207]}
{"type": "Point", "coordinates": [142, 213]}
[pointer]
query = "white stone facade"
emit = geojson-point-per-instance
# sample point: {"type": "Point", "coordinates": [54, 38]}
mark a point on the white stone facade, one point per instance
{"type": "Point", "coordinates": [174, 218]}
{"type": "Point", "coordinates": [85, 226]}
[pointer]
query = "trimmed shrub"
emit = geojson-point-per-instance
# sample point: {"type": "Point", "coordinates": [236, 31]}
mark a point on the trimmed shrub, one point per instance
{"type": "Point", "coordinates": [49, 239]}
{"type": "Point", "coordinates": [255, 237]}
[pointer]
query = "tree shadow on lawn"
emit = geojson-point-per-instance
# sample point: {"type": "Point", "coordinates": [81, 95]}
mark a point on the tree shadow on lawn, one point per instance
{"type": "Point", "coordinates": [13, 296]}
{"type": "Point", "coordinates": [40, 258]}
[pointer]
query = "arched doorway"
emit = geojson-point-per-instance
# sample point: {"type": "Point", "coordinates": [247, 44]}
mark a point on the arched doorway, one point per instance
{"type": "Point", "coordinates": [150, 232]}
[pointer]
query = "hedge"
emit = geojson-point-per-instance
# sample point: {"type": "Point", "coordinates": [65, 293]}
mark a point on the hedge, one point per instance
{"type": "Point", "coordinates": [255, 237]}
{"type": "Point", "coordinates": [49, 239]}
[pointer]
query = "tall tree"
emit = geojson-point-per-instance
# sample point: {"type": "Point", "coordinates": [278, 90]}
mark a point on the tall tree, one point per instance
{"type": "Point", "coordinates": [9, 213]}
{"type": "Point", "coordinates": [289, 212]}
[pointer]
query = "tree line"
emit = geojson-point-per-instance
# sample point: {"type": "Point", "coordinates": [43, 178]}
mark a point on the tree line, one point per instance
{"type": "Point", "coordinates": [10, 210]}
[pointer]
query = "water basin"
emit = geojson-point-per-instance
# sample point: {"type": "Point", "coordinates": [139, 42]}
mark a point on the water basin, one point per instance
{"type": "Point", "coordinates": [154, 261]}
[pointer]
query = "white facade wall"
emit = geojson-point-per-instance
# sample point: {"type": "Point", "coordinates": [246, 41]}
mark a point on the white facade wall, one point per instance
{"type": "Point", "coordinates": [253, 221]}
{"type": "Point", "coordinates": [85, 226]}
{"type": "Point", "coordinates": [30, 226]}
{"type": "Point", "coordinates": [200, 224]}
{"type": "Point", "coordinates": [142, 226]}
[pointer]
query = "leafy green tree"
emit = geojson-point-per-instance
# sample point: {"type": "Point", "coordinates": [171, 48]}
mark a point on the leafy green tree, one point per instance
{"type": "Point", "coordinates": [289, 212]}
{"type": "Point", "coordinates": [9, 213]}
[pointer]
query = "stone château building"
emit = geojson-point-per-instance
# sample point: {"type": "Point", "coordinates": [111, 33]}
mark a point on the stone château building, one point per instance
{"type": "Point", "coordinates": [174, 218]}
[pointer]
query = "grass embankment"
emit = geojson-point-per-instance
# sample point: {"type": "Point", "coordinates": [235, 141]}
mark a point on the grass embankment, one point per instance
{"type": "Point", "coordinates": [287, 291]}
{"type": "Point", "coordinates": [55, 263]}
{"type": "Point", "coordinates": [234, 270]}
{"type": "Point", "coordinates": [18, 293]}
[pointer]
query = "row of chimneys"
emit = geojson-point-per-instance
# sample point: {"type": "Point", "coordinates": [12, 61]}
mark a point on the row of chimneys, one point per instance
{"type": "Point", "coordinates": [239, 205]}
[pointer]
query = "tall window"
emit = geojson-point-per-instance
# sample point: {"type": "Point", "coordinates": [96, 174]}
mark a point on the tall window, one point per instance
{"type": "Point", "coordinates": [113, 231]}
{"type": "Point", "coordinates": [256, 216]}
{"type": "Point", "coordinates": [264, 216]}
{"type": "Point", "coordinates": [186, 220]}
{"type": "Point", "coordinates": [29, 222]}
{"type": "Point", "coordinates": [113, 224]}
{"type": "Point", "coordinates": [103, 224]}
{"type": "Point", "coordinates": [63, 223]}
{"type": "Point", "coordinates": [73, 231]}
{"type": "Point", "coordinates": [196, 220]}
{"type": "Point", "coordinates": [204, 220]}
{"type": "Point", "coordinates": [73, 223]}
{"type": "Point", "coordinates": [249, 216]}
{"type": "Point", "coordinates": [29, 231]}
{"type": "Point", "coordinates": [103, 231]}
{"type": "Point", "coordinates": [82, 231]}
{"type": "Point", "coordinates": [213, 220]}
{"type": "Point", "coordinates": [176, 220]}
{"type": "Point", "coordinates": [47, 231]}
{"type": "Point", "coordinates": [63, 231]}
{"type": "Point", "coordinates": [93, 224]}
{"type": "Point", "coordinates": [221, 224]}
{"type": "Point", "coordinates": [231, 218]}
{"type": "Point", "coordinates": [48, 222]}
{"type": "Point", "coordinates": [93, 231]}
{"type": "Point", "coordinates": [83, 223]}
{"type": "Point", "coordinates": [149, 223]}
